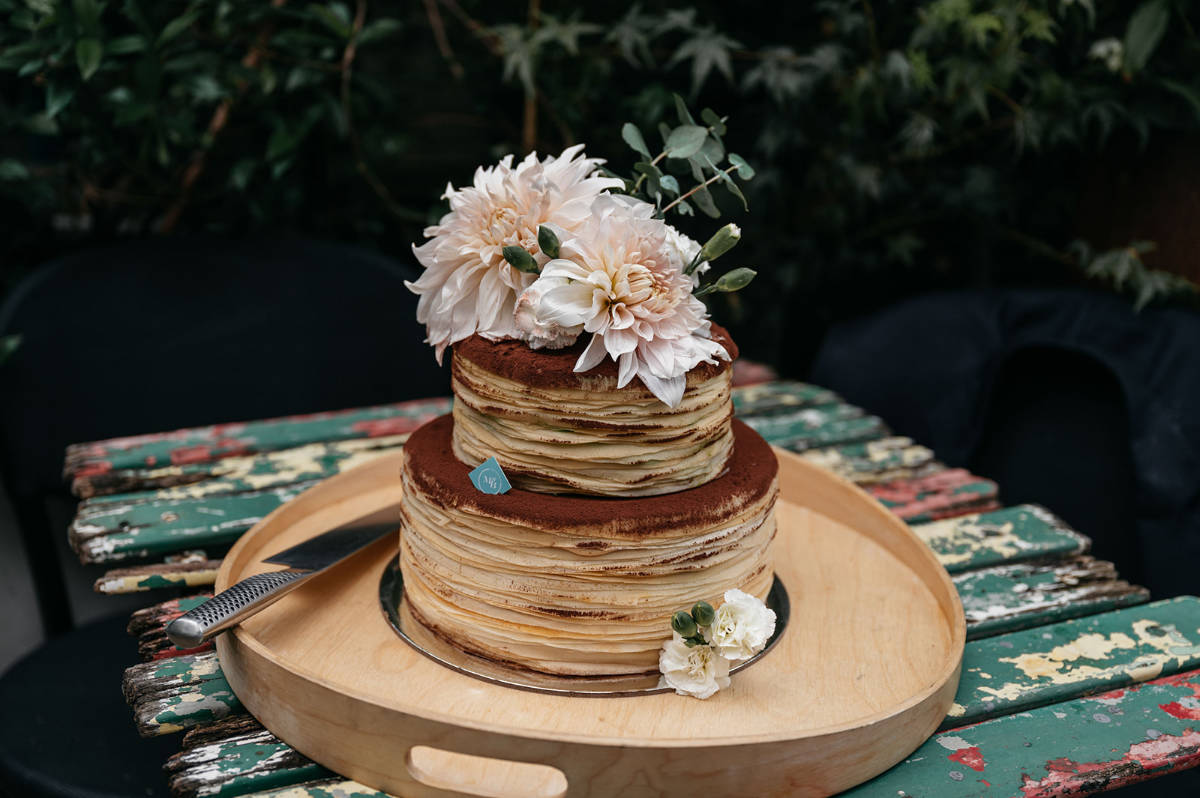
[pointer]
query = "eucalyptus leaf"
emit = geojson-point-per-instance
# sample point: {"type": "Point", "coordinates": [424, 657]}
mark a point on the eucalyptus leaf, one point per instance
{"type": "Point", "coordinates": [685, 209]}
{"type": "Point", "coordinates": [704, 201]}
{"type": "Point", "coordinates": [712, 149]}
{"type": "Point", "coordinates": [744, 170]}
{"type": "Point", "coordinates": [685, 141]}
{"type": "Point", "coordinates": [681, 110]}
{"type": "Point", "coordinates": [669, 184]}
{"type": "Point", "coordinates": [633, 137]}
{"type": "Point", "coordinates": [713, 121]}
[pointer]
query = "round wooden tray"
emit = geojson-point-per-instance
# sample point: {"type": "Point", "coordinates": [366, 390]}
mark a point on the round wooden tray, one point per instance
{"type": "Point", "coordinates": [864, 672]}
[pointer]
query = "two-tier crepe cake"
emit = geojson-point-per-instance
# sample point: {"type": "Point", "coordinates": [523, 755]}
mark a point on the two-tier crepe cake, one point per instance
{"type": "Point", "coordinates": [590, 372]}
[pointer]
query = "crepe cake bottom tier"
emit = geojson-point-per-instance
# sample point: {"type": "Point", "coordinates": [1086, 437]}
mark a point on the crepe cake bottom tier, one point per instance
{"type": "Point", "coordinates": [576, 585]}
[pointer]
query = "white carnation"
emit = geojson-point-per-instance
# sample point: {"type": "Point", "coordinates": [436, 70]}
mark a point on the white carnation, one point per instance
{"type": "Point", "coordinates": [697, 671]}
{"type": "Point", "coordinates": [742, 627]}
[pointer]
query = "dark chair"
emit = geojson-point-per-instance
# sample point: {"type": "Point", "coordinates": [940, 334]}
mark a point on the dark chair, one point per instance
{"type": "Point", "coordinates": [1067, 398]}
{"type": "Point", "coordinates": [157, 335]}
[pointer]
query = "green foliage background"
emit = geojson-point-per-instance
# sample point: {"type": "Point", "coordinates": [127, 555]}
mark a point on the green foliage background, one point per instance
{"type": "Point", "coordinates": [897, 146]}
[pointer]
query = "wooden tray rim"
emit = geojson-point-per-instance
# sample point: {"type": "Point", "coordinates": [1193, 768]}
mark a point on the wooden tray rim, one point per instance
{"type": "Point", "coordinates": [950, 670]}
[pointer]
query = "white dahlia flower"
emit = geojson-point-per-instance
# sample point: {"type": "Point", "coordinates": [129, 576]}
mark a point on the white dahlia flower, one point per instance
{"type": "Point", "coordinates": [621, 279]}
{"type": "Point", "coordinates": [467, 286]}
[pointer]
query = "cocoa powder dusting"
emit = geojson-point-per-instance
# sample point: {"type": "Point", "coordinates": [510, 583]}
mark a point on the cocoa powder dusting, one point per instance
{"type": "Point", "coordinates": [554, 368]}
{"type": "Point", "coordinates": [433, 469]}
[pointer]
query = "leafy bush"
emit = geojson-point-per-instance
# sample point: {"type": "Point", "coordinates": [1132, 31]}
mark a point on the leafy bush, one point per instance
{"type": "Point", "coordinates": [896, 146]}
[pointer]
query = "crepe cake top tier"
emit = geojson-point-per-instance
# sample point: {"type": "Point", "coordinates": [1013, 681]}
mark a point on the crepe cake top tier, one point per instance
{"type": "Point", "coordinates": [553, 430]}
{"type": "Point", "coordinates": [577, 585]}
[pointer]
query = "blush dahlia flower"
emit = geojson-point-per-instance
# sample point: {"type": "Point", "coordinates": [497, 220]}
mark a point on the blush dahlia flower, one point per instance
{"type": "Point", "coordinates": [467, 286]}
{"type": "Point", "coordinates": [621, 279]}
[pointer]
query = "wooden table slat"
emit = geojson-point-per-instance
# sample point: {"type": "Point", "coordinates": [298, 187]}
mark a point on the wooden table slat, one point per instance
{"type": "Point", "coordinates": [185, 574]}
{"type": "Point", "coordinates": [941, 494]}
{"type": "Point", "coordinates": [1075, 747]}
{"type": "Point", "coordinates": [1014, 596]}
{"type": "Point", "coordinates": [1020, 670]}
{"type": "Point", "coordinates": [206, 444]}
{"type": "Point", "coordinates": [886, 459]}
{"type": "Point", "coordinates": [239, 474]}
{"type": "Point", "coordinates": [1012, 534]}
{"type": "Point", "coordinates": [238, 765]}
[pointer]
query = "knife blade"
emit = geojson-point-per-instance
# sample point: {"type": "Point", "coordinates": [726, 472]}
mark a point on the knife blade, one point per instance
{"type": "Point", "coordinates": [304, 560]}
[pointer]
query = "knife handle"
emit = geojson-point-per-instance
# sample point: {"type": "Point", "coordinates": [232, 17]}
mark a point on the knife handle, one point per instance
{"type": "Point", "coordinates": [232, 605]}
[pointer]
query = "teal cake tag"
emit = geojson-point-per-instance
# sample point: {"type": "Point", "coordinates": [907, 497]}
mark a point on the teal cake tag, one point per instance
{"type": "Point", "coordinates": [489, 477]}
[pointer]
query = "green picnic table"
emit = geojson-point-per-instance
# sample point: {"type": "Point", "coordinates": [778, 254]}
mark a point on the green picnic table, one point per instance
{"type": "Point", "coordinates": [1073, 682]}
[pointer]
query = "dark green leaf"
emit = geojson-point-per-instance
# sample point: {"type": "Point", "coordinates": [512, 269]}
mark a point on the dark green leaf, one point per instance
{"type": "Point", "coordinates": [11, 169]}
{"type": "Point", "coordinates": [332, 19]}
{"type": "Point", "coordinates": [242, 171]}
{"type": "Point", "coordinates": [87, 16]}
{"type": "Point", "coordinates": [177, 26]}
{"type": "Point", "coordinates": [8, 345]}
{"type": "Point", "coordinates": [88, 53]}
{"type": "Point", "coordinates": [686, 141]}
{"type": "Point", "coordinates": [744, 171]}
{"type": "Point", "coordinates": [1144, 32]}
{"type": "Point", "coordinates": [30, 67]}
{"type": "Point", "coordinates": [123, 45]}
{"type": "Point", "coordinates": [41, 125]}
{"type": "Point", "coordinates": [57, 98]}
{"type": "Point", "coordinates": [633, 137]}
{"type": "Point", "coordinates": [379, 30]}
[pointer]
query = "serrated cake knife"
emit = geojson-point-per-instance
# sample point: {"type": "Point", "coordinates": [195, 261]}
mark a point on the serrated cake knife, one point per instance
{"type": "Point", "coordinates": [304, 560]}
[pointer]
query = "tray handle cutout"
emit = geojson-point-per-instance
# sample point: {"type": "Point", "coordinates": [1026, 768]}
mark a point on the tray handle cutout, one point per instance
{"type": "Point", "coordinates": [466, 774]}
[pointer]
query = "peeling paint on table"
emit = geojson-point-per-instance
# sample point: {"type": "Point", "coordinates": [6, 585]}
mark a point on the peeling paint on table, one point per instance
{"type": "Point", "coordinates": [779, 397]}
{"type": "Point", "coordinates": [816, 427]}
{"type": "Point", "coordinates": [1008, 597]}
{"type": "Point", "coordinates": [238, 474]}
{"type": "Point", "coordinates": [159, 575]}
{"type": "Point", "coordinates": [886, 459]}
{"type": "Point", "coordinates": [1013, 534]}
{"type": "Point", "coordinates": [1052, 663]}
{"type": "Point", "coordinates": [111, 531]}
{"type": "Point", "coordinates": [207, 444]}
{"type": "Point", "coordinates": [238, 765]}
{"type": "Point", "coordinates": [1076, 747]}
{"type": "Point", "coordinates": [170, 695]}
{"type": "Point", "coordinates": [942, 494]}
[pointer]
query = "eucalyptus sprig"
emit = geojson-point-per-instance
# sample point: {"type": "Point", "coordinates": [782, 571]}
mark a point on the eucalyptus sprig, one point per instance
{"type": "Point", "coordinates": [688, 148]}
